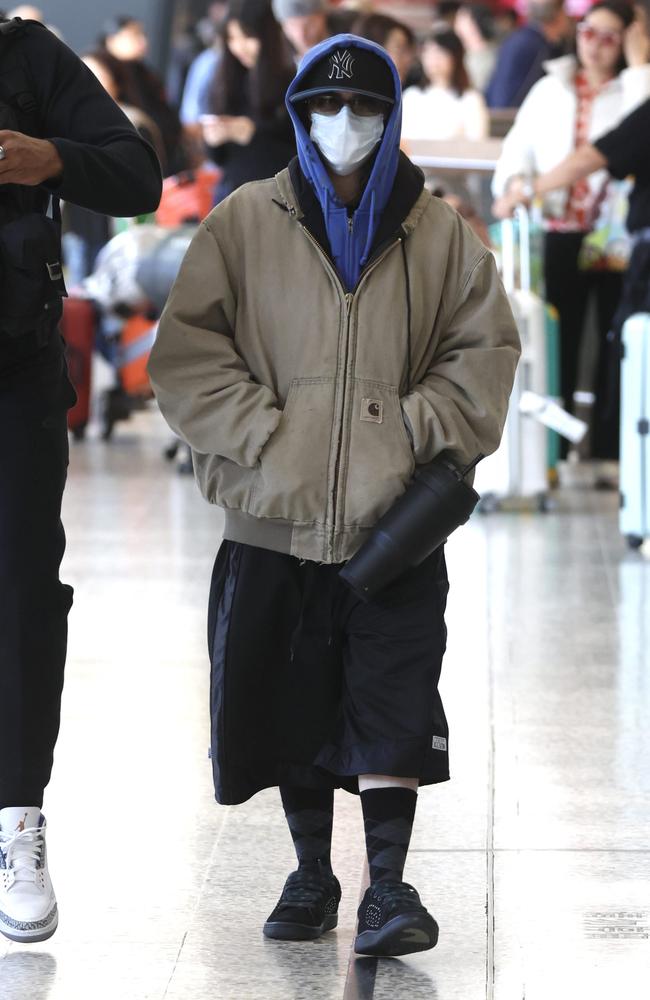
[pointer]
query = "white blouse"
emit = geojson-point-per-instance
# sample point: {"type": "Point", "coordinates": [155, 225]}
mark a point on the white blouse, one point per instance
{"type": "Point", "coordinates": [439, 113]}
{"type": "Point", "coordinates": [544, 129]}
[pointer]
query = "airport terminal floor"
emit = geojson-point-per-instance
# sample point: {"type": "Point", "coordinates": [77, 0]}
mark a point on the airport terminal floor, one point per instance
{"type": "Point", "coordinates": [534, 859]}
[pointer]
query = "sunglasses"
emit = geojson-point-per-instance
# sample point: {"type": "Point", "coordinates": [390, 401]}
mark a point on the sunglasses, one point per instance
{"type": "Point", "coordinates": [359, 104]}
{"type": "Point", "coordinates": [590, 34]}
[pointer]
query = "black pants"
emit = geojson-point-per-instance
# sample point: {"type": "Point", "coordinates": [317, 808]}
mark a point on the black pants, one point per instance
{"type": "Point", "coordinates": [312, 687]}
{"type": "Point", "coordinates": [35, 394]}
{"type": "Point", "coordinates": [568, 289]}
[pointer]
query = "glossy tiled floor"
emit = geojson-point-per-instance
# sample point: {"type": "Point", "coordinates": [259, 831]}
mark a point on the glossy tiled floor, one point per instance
{"type": "Point", "coordinates": [535, 858]}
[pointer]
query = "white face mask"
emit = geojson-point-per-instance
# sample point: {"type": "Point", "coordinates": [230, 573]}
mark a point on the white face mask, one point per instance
{"type": "Point", "coordinates": [346, 139]}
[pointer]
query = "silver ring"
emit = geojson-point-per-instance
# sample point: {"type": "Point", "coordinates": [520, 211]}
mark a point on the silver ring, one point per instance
{"type": "Point", "coordinates": [3, 153]}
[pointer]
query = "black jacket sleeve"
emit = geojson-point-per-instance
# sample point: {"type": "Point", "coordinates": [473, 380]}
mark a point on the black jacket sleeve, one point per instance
{"type": "Point", "coordinates": [627, 147]}
{"type": "Point", "coordinates": [107, 167]}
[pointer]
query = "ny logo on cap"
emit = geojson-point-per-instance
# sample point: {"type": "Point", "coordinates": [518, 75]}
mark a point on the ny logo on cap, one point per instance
{"type": "Point", "coordinates": [341, 65]}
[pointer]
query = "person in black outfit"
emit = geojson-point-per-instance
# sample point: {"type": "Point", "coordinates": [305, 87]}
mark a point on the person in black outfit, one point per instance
{"type": "Point", "coordinates": [61, 136]}
{"type": "Point", "coordinates": [250, 135]}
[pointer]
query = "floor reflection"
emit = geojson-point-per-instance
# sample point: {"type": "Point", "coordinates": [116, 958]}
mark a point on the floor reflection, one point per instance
{"type": "Point", "coordinates": [27, 975]}
{"type": "Point", "coordinates": [163, 894]}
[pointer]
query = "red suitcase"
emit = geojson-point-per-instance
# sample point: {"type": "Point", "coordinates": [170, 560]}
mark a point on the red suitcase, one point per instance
{"type": "Point", "coordinates": [78, 329]}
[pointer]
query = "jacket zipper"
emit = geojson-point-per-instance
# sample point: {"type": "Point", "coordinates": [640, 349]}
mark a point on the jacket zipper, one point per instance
{"type": "Point", "coordinates": [349, 299]}
{"type": "Point", "coordinates": [348, 244]}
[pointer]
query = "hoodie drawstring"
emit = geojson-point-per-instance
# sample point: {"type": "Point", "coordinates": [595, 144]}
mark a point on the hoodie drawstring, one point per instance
{"type": "Point", "coordinates": [407, 280]}
{"type": "Point", "coordinates": [371, 229]}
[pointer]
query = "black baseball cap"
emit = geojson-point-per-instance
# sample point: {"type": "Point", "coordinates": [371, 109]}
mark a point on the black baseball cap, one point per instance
{"type": "Point", "coordinates": [350, 69]}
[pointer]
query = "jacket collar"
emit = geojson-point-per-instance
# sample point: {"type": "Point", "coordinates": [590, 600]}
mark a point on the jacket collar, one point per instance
{"type": "Point", "coordinates": [406, 203]}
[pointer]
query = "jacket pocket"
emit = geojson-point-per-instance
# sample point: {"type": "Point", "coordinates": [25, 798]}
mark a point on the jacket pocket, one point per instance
{"type": "Point", "coordinates": [380, 461]}
{"type": "Point", "coordinates": [291, 481]}
{"type": "Point", "coordinates": [223, 482]}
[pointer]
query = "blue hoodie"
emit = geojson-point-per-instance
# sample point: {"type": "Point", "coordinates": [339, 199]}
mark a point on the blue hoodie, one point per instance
{"type": "Point", "coordinates": [350, 243]}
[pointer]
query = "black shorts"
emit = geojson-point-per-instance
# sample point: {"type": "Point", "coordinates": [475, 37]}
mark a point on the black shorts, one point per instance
{"type": "Point", "coordinates": [311, 686]}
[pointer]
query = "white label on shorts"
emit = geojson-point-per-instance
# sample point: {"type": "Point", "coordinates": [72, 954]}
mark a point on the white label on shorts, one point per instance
{"type": "Point", "coordinates": [439, 743]}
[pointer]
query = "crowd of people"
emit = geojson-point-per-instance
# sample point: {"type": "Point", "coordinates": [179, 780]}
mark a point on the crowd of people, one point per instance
{"type": "Point", "coordinates": [565, 81]}
{"type": "Point", "coordinates": [471, 59]}
{"type": "Point", "coordinates": [451, 76]}
{"type": "Point", "coordinates": [227, 104]}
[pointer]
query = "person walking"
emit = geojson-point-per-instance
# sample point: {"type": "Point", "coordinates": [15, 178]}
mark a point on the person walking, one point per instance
{"type": "Point", "coordinates": [61, 136]}
{"type": "Point", "coordinates": [331, 329]}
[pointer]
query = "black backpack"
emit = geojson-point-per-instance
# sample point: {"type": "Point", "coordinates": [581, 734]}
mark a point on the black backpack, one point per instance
{"type": "Point", "coordinates": [31, 276]}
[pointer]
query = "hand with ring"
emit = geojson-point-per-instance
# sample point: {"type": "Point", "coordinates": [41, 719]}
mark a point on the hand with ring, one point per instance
{"type": "Point", "coordinates": [28, 161]}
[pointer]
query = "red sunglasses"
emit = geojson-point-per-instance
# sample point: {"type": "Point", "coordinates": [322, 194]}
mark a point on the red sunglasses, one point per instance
{"type": "Point", "coordinates": [608, 37]}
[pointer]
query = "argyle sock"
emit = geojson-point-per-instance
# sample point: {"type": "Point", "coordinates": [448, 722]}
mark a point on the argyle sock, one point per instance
{"type": "Point", "coordinates": [388, 815]}
{"type": "Point", "coordinates": [310, 813]}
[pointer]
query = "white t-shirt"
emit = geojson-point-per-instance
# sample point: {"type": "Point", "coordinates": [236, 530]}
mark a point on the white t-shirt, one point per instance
{"type": "Point", "coordinates": [438, 113]}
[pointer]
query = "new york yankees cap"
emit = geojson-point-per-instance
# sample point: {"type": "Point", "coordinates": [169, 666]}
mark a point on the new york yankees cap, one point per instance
{"type": "Point", "coordinates": [352, 69]}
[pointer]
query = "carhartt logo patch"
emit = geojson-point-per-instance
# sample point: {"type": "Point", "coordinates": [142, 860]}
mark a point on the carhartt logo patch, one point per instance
{"type": "Point", "coordinates": [372, 410]}
{"type": "Point", "coordinates": [439, 743]}
{"type": "Point", "coordinates": [341, 64]}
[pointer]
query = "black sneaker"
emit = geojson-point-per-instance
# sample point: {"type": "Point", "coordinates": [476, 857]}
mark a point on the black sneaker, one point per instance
{"type": "Point", "coordinates": [392, 921]}
{"type": "Point", "coordinates": [307, 907]}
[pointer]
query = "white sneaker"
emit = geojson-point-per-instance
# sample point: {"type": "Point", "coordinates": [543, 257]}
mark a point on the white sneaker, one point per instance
{"type": "Point", "coordinates": [28, 910]}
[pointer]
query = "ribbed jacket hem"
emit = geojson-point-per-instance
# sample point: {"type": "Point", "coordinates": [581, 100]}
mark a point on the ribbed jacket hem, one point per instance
{"type": "Point", "coordinates": [304, 541]}
{"type": "Point", "coordinates": [265, 534]}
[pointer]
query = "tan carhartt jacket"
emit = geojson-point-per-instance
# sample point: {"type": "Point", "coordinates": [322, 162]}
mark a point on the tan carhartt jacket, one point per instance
{"type": "Point", "coordinates": [293, 393]}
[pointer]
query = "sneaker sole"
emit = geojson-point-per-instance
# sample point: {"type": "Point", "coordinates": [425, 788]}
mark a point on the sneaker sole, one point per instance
{"type": "Point", "coordinates": [403, 935]}
{"type": "Point", "coordinates": [30, 935]}
{"type": "Point", "coordinates": [280, 930]}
